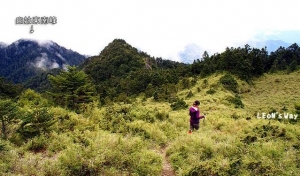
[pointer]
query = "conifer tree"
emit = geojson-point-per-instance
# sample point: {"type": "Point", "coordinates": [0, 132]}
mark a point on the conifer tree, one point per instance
{"type": "Point", "coordinates": [8, 113]}
{"type": "Point", "coordinates": [71, 88]}
{"type": "Point", "coordinates": [36, 118]}
{"type": "Point", "coordinates": [36, 122]}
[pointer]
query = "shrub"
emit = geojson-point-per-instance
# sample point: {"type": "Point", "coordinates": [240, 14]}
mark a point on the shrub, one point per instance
{"type": "Point", "coordinates": [186, 83]}
{"type": "Point", "coordinates": [249, 139]}
{"type": "Point", "coordinates": [36, 122]}
{"type": "Point", "coordinates": [8, 115]}
{"type": "Point", "coordinates": [297, 107]}
{"type": "Point", "coordinates": [123, 98]}
{"type": "Point", "coordinates": [198, 89]}
{"type": "Point", "coordinates": [229, 83]}
{"type": "Point", "coordinates": [155, 96]}
{"type": "Point", "coordinates": [179, 104]}
{"type": "Point", "coordinates": [235, 167]}
{"type": "Point", "coordinates": [205, 83]}
{"type": "Point", "coordinates": [190, 94]}
{"type": "Point", "coordinates": [235, 116]}
{"type": "Point", "coordinates": [211, 91]}
{"type": "Point", "coordinates": [147, 131]}
{"type": "Point", "coordinates": [194, 81]}
{"type": "Point", "coordinates": [257, 168]}
{"type": "Point", "coordinates": [201, 170]}
{"type": "Point", "coordinates": [2, 146]}
{"type": "Point", "coordinates": [271, 132]}
{"type": "Point", "coordinates": [37, 144]}
{"type": "Point", "coordinates": [148, 117]}
{"type": "Point", "coordinates": [284, 108]}
{"type": "Point", "coordinates": [236, 101]}
{"type": "Point", "coordinates": [161, 115]}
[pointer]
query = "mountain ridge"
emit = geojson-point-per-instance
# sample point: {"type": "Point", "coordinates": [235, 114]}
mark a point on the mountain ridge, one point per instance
{"type": "Point", "coordinates": [25, 58]}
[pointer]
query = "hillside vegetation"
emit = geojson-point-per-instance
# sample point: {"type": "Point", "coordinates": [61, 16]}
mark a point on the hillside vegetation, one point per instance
{"type": "Point", "coordinates": [126, 113]}
{"type": "Point", "coordinates": [123, 139]}
{"type": "Point", "coordinates": [121, 70]}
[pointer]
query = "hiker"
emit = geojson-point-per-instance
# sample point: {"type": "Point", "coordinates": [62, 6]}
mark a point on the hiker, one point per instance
{"type": "Point", "coordinates": [195, 116]}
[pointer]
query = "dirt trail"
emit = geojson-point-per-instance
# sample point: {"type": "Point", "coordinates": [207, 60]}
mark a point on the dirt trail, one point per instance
{"type": "Point", "coordinates": [167, 168]}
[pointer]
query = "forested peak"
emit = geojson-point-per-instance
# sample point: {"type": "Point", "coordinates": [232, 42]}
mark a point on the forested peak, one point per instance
{"type": "Point", "coordinates": [119, 47]}
{"type": "Point", "coordinates": [116, 59]}
{"type": "Point", "coordinates": [118, 41]}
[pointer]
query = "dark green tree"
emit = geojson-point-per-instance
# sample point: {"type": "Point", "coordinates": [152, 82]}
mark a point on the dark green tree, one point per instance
{"type": "Point", "coordinates": [205, 56]}
{"type": "Point", "coordinates": [155, 96]}
{"type": "Point", "coordinates": [8, 114]}
{"type": "Point", "coordinates": [36, 122]}
{"type": "Point", "coordinates": [35, 118]}
{"type": "Point", "coordinates": [293, 66]}
{"type": "Point", "coordinates": [179, 104]}
{"type": "Point", "coordinates": [186, 83]}
{"type": "Point", "coordinates": [71, 88]}
{"type": "Point", "coordinates": [149, 90]}
{"type": "Point", "coordinates": [8, 89]}
{"type": "Point", "coordinates": [229, 83]}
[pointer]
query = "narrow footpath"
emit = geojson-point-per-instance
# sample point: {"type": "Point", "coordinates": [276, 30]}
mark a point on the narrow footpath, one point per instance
{"type": "Point", "coordinates": [167, 168]}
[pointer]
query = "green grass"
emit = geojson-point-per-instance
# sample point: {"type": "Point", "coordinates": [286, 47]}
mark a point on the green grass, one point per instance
{"type": "Point", "coordinates": [273, 91]}
{"type": "Point", "coordinates": [123, 139]}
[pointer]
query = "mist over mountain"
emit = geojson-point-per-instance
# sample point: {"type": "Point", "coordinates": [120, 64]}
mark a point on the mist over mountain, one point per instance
{"type": "Point", "coordinates": [27, 58]}
{"type": "Point", "coordinates": [2, 45]}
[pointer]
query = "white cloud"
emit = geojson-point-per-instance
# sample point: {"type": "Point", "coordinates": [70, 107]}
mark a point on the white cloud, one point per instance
{"type": "Point", "coordinates": [65, 67]}
{"type": "Point", "coordinates": [42, 62]}
{"type": "Point", "coordinates": [45, 43]}
{"type": "Point", "coordinates": [54, 65]}
{"type": "Point", "coordinates": [160, 28]}
{"type": "Point", "coordinates": [45, 63]}
{"type": "Point", "coordinates": [58, 55]}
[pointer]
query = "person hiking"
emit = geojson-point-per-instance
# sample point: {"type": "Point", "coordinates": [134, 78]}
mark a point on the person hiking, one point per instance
{"type": "Point", "coordinates": [195, 116]}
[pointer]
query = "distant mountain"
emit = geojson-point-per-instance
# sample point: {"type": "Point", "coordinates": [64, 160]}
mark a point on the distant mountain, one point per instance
{"type": "Point", "coordinates": [27, 58]}
{"type": "Point", "coordinates": [272, 45]}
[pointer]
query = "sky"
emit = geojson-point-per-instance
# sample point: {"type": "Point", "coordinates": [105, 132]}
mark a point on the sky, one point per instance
{"type": "Point", "coordinates": [163, 28]}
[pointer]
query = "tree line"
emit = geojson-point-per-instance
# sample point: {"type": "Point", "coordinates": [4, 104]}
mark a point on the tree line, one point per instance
{"type": "Point", "coordinates": [248, 63]}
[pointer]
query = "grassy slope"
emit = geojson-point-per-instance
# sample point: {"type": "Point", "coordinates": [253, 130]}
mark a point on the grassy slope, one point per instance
{"type": "Point", "coordinates": [89, 144]}
{"type": "Point", "coordinates": [274, 91]}
{"type": "Point", "coordinates": [272, 152]}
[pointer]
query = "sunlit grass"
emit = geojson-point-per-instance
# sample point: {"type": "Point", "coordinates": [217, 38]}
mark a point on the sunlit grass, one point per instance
{"type": "Point", "coordinates": [126, 139]}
